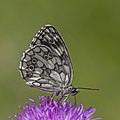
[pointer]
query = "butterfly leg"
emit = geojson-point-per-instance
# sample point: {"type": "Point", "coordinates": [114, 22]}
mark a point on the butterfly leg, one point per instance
{"type": "Point", "coordinates": [65, 98]}
{"type": "Point", "coordinates": [52, 96]}
{"type": "Point", "coordinates": [61, 97]}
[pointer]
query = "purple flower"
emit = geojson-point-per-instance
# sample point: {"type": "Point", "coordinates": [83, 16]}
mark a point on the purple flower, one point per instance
{"type": "Point", "coordinates": [54, 110]}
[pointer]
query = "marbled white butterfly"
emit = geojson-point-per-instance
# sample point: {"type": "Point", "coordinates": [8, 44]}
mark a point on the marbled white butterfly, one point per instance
{"type": "Point", "coordinates": [46, 64]}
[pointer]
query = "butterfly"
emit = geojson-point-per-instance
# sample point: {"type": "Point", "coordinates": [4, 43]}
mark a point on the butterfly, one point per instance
{"type": "Point", "coordinates": [46, 64]}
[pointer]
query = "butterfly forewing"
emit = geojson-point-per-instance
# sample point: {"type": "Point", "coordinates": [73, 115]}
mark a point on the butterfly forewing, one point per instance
{"type": "Point", "coordinates": [46, 64]}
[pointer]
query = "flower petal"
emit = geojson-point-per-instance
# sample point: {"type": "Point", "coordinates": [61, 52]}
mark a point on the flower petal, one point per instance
{"type": "Point", "coordinates": [54, 110]}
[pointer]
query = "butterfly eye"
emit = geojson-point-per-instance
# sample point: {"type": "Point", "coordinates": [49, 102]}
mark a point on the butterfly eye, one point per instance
{"type": "Point", "coordinates": [73, 90]}
{"type": "Point", "coordinates": [31, 67]}
{"type": "Point", "coordinates": [34, 60]}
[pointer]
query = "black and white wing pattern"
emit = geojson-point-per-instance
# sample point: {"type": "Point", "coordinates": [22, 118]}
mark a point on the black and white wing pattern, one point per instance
{"type": "Point", "coordinates": [46, 64]}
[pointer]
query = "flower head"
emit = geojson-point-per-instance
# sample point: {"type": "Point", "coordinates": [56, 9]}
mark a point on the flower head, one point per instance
{"type": "Point", "coordinates": [55, 110]}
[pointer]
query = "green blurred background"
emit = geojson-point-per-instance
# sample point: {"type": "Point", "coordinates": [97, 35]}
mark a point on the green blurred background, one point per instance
{"type": "Point", "coordinates": [91, 30]}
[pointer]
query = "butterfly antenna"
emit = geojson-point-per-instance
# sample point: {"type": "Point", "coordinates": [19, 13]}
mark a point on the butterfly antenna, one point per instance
{"type": "Point", "coordinates": [88, 88]}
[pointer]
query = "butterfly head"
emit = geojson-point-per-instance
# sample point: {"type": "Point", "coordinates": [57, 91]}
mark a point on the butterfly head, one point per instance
{"type": "Point", "coordinates": [74, 91]}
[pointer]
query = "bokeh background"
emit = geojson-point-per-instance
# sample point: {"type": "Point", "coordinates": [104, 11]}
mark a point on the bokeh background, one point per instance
{"type": "Point", "coordinates": [91, 30]}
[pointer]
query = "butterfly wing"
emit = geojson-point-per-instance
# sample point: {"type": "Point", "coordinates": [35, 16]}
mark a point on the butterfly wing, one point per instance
{"type": "Point", "coordinates": [46, 64]}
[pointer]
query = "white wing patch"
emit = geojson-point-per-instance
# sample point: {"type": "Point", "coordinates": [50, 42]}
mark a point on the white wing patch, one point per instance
{"type": "Point", "coordinates": [62, 76]}
{"type": "Point", "coordinates": [55, 76]}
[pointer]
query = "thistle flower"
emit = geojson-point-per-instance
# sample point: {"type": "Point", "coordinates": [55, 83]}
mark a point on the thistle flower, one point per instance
{"type": "Point", "coordinates": [54, 110]}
